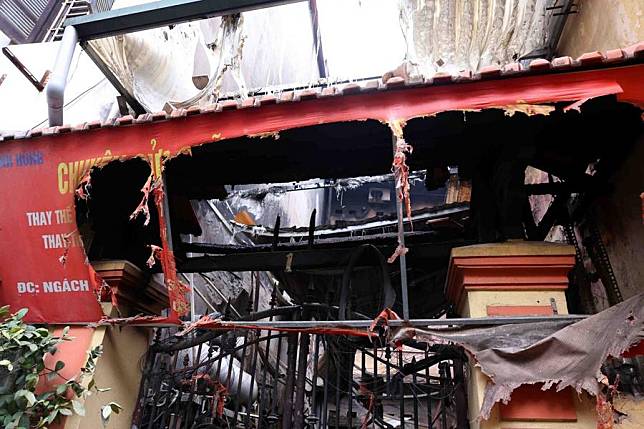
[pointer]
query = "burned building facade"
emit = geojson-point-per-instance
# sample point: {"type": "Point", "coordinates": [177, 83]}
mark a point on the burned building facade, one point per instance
{"type": "Point", "coordinates": [421, 249]}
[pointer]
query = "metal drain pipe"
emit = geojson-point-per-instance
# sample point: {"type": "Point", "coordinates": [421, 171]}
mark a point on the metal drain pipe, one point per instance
{"type": "Point", "coordinates": [58, 78]}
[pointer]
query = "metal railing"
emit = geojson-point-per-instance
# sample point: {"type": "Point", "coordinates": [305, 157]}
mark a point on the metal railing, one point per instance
{"type": "Point", "coordinates": [252, 378]}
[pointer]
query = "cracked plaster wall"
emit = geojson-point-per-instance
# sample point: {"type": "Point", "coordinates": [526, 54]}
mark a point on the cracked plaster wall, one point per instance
{"type": "Point", "coordinates": [601, 25]}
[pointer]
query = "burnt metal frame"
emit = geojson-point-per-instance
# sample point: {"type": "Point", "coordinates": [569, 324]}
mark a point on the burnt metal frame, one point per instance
{"type": "Point", "coordinates": [417, 323]}
{"type": "Point", "coordinates": [160, 13]}
{"type": "Point", "coordinates": [168, 394]}
{"type": "Point", "coordinates": [401, 234]}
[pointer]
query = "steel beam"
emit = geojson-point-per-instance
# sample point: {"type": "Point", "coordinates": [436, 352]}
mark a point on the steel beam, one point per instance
{"type": "Point", "coordinates": [402, 258]}
{"type": "Point", "coordinates": [159, 14]}
{"type": "Point", "coordinates": [116, 83]}
{"type": "Point", "coordinates": [417, 323]}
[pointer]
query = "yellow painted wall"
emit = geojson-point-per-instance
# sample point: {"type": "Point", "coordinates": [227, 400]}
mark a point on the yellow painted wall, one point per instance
{"type": "Point", "coordinates": [601, 25]}
{"type": "Point", "coordinates": [619, 218]}
{"type": "Point", "coordinates": [475, 305]}
{"type": "Point", "coordinates": [634, 411]}
{"type": "Point", "coordinates": [119, 368]}
{"type": "Point", "coordinates": [477, 301]}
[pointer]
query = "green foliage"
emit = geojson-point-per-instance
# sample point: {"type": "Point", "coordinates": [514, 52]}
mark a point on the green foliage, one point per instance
{"type": "Point", "coordinates": [23, 349]}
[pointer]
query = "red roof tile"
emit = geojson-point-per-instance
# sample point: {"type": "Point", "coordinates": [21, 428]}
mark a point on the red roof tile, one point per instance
{"type": "Point", "coordinates": [611, 58]}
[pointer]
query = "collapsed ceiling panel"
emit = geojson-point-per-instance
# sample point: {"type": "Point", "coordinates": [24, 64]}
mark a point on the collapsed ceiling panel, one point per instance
{"type": "Point", "coordinates": [270, 49]}
{"type": "Point", "coordinates": [195, 63]}
{"type": "Point", "coordinates": [445, 35]}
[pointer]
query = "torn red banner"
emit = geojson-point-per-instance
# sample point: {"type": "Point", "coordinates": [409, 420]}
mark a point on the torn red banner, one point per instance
{"type": "Point", "coordinates": [179, 305]}
{"type": "Point", "coordinates": [67, 244]}
{"type": "Point", "coordinates": [382, 320]}
{"type": "Point", "coordinates": [82, 191]}
{"type": "Point", "coordinates": [401, 172]}
{"type": "Point", "coordinates": [143, 205]}
{"type": "Point", "coordinates": [400, 250]}
{"type": "Point", "coordinates": [155, 253]}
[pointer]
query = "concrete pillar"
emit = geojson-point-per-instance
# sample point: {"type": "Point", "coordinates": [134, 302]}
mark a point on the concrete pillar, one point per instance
{"type": "Point", "coordinates": [517, 278]}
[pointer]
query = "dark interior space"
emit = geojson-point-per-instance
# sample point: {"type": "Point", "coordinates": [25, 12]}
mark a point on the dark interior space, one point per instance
{"type": "Point", "coordinates": [489, 148]}
{"type": "Point", "coordinates": [103, 218]}
{"type": "Point", "coordinates": [552, 143]}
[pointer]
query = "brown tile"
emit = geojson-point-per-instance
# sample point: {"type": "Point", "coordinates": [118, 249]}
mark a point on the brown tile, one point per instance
{"type": "Point", "coordinates": [306, 94]}
{"type": "Point", "coordinates": [591, 58]}
{"type": "Point", "coordinates": [614, 55]}
{"type": "Point", "coordinates": [442, 77]}
{"type": "Point", "coordinates": [350, 88]}
{"type": "Point", "coordinates": [562, 62]}
{"type": "Point", "coordinates": [212, 107]}
{"type": "Point", "coordinates": [511, 68]}
{"type": "Point", "coordinates": [93, 125]}
{"type": "Point", "coordinates": [178, 113]}
{"type": "Point", "coordinates": [539, 65]}
{"type": "Point", "coordinates": [372, 85]}
{"type": "Point", "coordinates": [395, 82]}
{"type": "Point", "coordinates": [145, 117]}
{"type": "Point", "coordinates": [463, 75]}
{"type": "Point", "coordinates": [286, 97]}
{"type": "Point", "coordinates": [267, 99]}
{"type": "Point", "coordinates": [124, 120]}
{"type": "Point", "coordinates": [638, 50]}
{"type": "Point", "coordinates": [329, 91]}
{"type": "Point", "coordinates": [193, 110]}
{"type": "Point", "coordinates": [246, 103]}
{"type": "Point", "coordinates": [227, 105]}
{"type": "Point", "coordinates": [488, 72]}
{"type": "Point", "coordinates": [159, 116]}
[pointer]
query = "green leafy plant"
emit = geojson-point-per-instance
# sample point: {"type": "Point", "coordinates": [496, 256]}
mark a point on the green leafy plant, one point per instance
{"type": "Point", "coordinates": [23, 348]}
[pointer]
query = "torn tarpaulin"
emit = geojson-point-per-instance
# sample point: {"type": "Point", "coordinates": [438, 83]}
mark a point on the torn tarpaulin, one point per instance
{"type": "Point", "coordinates": [544, 352]}
{"type": "Point", "coordinates": [143, 205]}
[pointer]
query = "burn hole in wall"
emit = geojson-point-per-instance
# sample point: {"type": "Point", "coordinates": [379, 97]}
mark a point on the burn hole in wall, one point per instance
{"type": "Point", "coordinates": [330, 185]}
{"type": "Point", "coordinates": [103, 218]}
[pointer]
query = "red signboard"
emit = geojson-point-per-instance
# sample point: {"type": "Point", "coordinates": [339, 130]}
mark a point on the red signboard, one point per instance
{"type": "Point", "coordinates": [42, 263]}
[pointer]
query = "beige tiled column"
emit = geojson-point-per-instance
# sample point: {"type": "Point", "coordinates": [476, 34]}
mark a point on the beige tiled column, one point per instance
{"type": "Point", "coordinates": [512, 279]}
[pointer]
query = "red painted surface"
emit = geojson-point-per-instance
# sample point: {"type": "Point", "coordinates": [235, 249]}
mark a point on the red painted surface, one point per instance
{"type": "Point", "coordinates": [529, 402]}
{"type": "Point", "coordinates": [634, 351]}
{"type": "Point", "coordinates": [546, 273]}
{"type": "Point", "coordinates": [30, 269]}
{"type": "Point", "coordinates": [74, 354]}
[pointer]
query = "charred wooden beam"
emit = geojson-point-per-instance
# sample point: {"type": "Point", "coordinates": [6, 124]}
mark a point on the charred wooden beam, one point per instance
{"type": "Point", "coordinates": [321, 243]}
{"type": "Point", "coordinates": [305, 259]}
